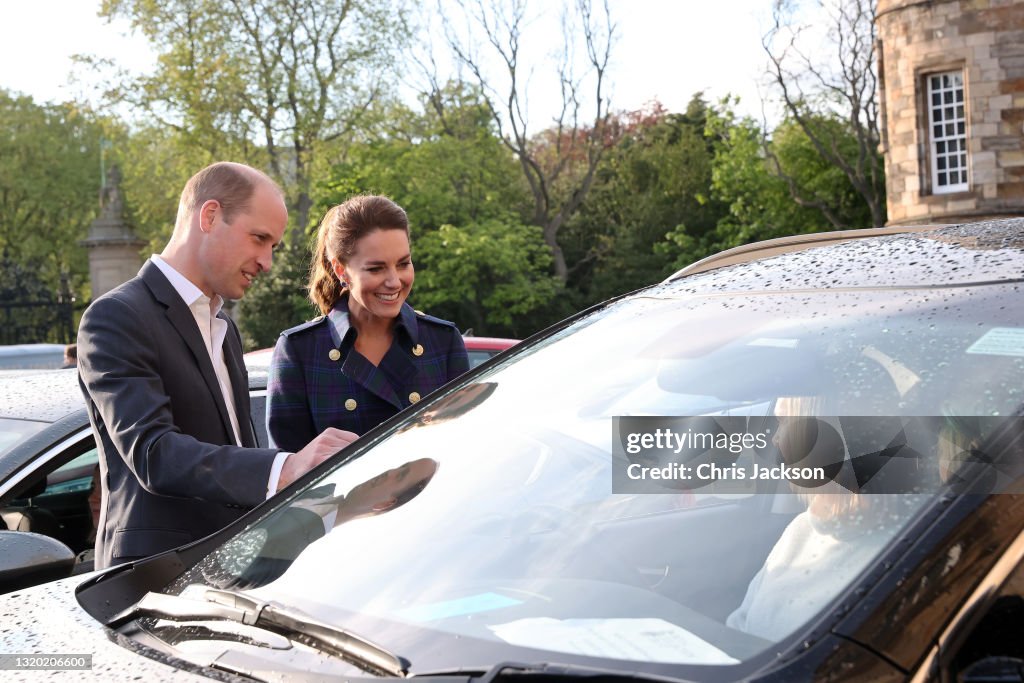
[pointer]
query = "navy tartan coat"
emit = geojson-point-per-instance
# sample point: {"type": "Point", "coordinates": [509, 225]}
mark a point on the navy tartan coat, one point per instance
{"type": "Point", "coordinates": [318, 379]}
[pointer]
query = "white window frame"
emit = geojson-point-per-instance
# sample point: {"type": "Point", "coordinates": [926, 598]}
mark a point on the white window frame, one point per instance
{"type": "Point", "coordinates": [947, 131]}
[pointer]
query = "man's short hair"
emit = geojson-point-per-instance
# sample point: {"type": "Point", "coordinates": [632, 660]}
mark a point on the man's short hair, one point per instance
{"type": "Point", "coordinates": [230, 184]}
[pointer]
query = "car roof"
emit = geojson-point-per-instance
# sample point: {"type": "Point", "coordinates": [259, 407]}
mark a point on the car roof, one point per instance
{"type": "Point", "coordinates": [45, 395]}
{"type": "Point", "coordinates": [989, 251]}
{"type": "Point", "coordinates": [49, 395]}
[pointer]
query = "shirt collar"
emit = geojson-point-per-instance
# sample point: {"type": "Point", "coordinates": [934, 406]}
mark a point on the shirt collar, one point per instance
{"type": "Point", "coordinates": [188, 292]}
{"type": "Point", "coordinates": [340, 326]}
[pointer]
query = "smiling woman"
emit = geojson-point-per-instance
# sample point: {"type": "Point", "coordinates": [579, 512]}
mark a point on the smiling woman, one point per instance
{"type": "Point", "coordinates": [370, 354]}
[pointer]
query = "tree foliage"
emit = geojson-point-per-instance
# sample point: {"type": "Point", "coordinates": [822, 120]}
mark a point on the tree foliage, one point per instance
{"type": "Point", "coordinates": [490, 275]}
{"type": "Point", "coordinates": [275, 83]}
{"type": "Point", "coordinates": [822, 92]}
{"type": "Point", "coordinates": [559, 162]}
{"type": "Point", "coordinates": [655, 180]}
{"type": "Point", "coordinates": [49, 186]}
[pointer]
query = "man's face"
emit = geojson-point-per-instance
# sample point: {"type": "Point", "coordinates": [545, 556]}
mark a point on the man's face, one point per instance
{"type": "Point", "coordinates": [234, 253]}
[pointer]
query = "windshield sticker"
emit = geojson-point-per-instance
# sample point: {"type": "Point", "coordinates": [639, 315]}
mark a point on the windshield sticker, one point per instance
{"type": "Point", "coordinates": [775, 342]}
{"type": "Point", "coordinates": [1000, 341]}
{"type": "Point", "coordinates": [484, 602]}
{"type": "Point", "coordinates": [640, 639]}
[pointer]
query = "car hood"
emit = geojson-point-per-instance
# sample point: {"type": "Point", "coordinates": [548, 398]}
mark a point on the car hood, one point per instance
{"type": "Point", "coordinates": [47, 620]}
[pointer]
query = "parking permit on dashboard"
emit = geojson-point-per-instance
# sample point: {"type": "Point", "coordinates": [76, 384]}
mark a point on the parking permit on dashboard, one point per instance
{"type": "Point", "coordinates": [472, 604]}
{"type": "Point", "coordinates": [1000, 341]}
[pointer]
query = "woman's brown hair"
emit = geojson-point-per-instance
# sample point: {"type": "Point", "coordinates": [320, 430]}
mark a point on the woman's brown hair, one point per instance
{"type": "Point", "coordinates": [343, 226]}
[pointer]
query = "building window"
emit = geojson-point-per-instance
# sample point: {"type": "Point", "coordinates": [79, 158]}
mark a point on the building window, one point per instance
{"type": "Point", "coordinates": [948, 126]}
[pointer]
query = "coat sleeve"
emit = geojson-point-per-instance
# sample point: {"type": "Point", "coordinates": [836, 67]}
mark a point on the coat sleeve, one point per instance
{"type": "Point", "coordinates": [121, 373]}
{"type": "Point", "coordinates": [289, 416]}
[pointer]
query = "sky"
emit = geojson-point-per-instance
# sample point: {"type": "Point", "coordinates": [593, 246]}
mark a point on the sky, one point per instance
{"type": "Point", "coordinates": [666, 50]}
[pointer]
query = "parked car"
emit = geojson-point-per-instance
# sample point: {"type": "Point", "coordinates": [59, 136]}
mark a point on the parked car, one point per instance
{"type": "Point", "coordinates": [480, 349]}
{"type": "Point", "coordinates": [48, 461]}
{"type": "Point", "coordinates": [31, 356]}
{"type": "Point", "coordinates": [536, 518]}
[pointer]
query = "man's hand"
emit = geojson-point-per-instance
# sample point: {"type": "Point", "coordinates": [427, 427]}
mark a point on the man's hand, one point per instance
{"type": "Point", "coordinates": [329, 442]}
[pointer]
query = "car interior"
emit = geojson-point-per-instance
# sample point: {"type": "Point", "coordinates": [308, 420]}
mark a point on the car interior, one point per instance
{"type": "Point", "coordinates": [54, 502]}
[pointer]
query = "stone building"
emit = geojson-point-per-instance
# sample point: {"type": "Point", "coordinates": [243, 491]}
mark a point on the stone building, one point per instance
{"type": "Point", "coordinates": [952, 87]}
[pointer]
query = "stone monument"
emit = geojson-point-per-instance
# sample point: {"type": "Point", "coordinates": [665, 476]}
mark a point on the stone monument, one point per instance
{"type": "Point", "coordinates": [112, 243]}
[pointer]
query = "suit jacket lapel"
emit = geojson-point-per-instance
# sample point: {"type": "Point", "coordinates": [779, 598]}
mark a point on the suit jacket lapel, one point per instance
{"type": "Point", "coordinates": [184, 324]}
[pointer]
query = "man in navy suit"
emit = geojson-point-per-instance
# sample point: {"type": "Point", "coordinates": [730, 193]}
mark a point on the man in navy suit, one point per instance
{"type": "Point", "coordinates": [161, 370]}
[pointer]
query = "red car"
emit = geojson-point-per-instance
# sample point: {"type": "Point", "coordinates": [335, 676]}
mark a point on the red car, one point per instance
{"type": "Point", "coordinates": [482, 348]}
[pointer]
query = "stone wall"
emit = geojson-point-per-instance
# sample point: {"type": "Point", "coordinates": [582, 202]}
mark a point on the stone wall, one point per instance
{"type": "Point", "coordinates": [985, 38]}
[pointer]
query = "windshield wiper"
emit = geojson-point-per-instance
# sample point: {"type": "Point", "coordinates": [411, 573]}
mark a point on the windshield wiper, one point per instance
{"type": "Point", "coordinates": [547, 670]}
{"type": "Point", "coordinates": [288, 622]}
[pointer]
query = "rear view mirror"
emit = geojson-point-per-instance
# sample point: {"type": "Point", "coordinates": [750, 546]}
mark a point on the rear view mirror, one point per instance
{"type": "Point", "coordinates": [27, 559]}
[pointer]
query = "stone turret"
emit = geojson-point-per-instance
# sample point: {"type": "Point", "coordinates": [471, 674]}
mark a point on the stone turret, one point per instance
{"type": "Point", "coordinates": [952, 87]}
{"type": "Point", "coordinates": [112, 243]}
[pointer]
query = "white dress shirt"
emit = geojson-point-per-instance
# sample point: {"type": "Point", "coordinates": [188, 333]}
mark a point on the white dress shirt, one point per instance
{"type": "Point", "coordinates": [213, 330]}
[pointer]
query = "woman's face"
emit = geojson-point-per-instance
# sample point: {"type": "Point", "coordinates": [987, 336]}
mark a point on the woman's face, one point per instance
{"type": "Point", "coordinates": [379, 275]}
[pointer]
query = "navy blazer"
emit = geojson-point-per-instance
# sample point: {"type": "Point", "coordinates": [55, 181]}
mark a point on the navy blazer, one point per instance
{"type": "Point", "coordinates": [318, 379]}
{"type": "Point", "coordinates": [170, 470]}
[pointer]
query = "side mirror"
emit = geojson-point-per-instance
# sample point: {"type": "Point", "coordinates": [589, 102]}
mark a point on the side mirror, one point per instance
{"type": "Point", "coordinates": [27, 559]}
{"type": "Point", "coordinates": [994, 670]}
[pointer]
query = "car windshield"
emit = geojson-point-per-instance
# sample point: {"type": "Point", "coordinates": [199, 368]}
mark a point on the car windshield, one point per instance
{"type": "Point", "coordinates": [513, 533]}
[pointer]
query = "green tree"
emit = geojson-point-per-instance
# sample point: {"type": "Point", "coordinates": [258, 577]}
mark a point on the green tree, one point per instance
{"type": "Point", "coordinates": [49, 186]}
{"type": "Point", "coordinates": [822, 92]}
{"type": "Point", "coordinates": [491, 275]}
{"type": "Point", "coordinates": [772, 187]}
{"type": "Point", "coordinates": [279, 84]}
{"type": "Point", "coordinates": [560, 162]}
{"type": "Point", "coordinates": [656, 179]}
{"type": "Point", "coordinates": [444, 165]}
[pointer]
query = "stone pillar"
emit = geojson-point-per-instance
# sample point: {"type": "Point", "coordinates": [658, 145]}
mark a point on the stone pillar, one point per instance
{"type": "Point", "coordinates": [112, 243]}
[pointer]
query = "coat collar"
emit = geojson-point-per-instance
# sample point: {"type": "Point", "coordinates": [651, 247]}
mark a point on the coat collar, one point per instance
{"type": "Point", "coordinates": [340, 324]}
{"type": "Point", "coordinates": [396, 369]}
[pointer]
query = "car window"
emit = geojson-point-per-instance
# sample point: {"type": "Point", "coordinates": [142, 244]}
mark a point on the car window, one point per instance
{"type": "Point", "coordinates": [54, 500]}
{"type": "Point", "coordinates": [86, 459]}
{"type": "Point", "coordinates": [476, 357]}
{"type": "Point", "coordinates": [13, 432]}
{"type": "Point", "coordinates": [492, 514]}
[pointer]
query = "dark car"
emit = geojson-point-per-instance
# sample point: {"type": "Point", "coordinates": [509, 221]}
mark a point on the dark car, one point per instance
{"type": "Point", "coordinates": [48, 470]}
{"type": "Point", "coordinates": [803, 465]}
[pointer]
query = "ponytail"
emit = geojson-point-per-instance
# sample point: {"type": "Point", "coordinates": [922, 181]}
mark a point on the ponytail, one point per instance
{"type": "Point", "coordinates": [324, 287]}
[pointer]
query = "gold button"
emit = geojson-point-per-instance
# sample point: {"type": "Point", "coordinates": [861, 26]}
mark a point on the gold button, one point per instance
{"type": "Point", "coordinates": [350, 404]}
{"type": "Point", "coordinates": [334, 354]}
{"type": "Point", "coordinates": [417, 350]}
{"type": "Point", "coordinates": [414, 397]}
